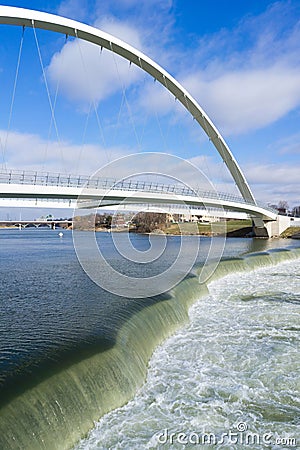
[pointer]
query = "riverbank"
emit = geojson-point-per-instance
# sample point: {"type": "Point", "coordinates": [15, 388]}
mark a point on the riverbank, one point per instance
{"type": "Point", "coordinates": [234, 229]}
{"type": "Point", "coordinates": [291, 233]}
{"type": "Point", "coordinates": [230, 228]}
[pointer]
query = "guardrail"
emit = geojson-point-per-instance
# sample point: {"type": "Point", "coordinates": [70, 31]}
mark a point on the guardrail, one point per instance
{"type": "Point", "coordinates": [56, 179]}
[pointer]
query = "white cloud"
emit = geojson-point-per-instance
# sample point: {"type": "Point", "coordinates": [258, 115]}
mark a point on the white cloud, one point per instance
{"type": "Point", "coordinates": [240, 101]}
{"type": "Point", "coordinates": [73, 8]}
{"type": "Point", "coordinates": [237, 101]}
{"type": "Point", "coordinates": [274, 182]}
{"type": "Point", "coordinates": [289, 145]}
{"type": "Point", "coordinates": [120, 29]}
{"type": "Point", "coordinates": [270, 182]}
{"type": "Point", "coordinates": [83, 75]}
{"type": "Point", "coordinates": [145, 3]}
{"type": "Point", "coordinates": [245, 78]}
{"type": "Point", "coordinates": [249, 76]}
{"type": "Point", "coordinates": [87, 74]}
{"type": "Point", "coordinates": [273, 194]}
{"type": "Point", "coordinates": [272, 173]}
{"type": "Point", "coordinates": [26, 151]}
{"type": "Point", "coordinates": [30, 152]}
{"type": "Point", "coordinates": [155, 99]}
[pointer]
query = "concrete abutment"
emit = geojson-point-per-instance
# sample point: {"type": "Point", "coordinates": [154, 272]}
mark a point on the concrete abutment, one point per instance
{"type": "Point", "coordinates": [272, 228]}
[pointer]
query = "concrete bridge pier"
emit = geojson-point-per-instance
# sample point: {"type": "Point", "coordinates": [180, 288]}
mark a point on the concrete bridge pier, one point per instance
{"type": "Point", "coordinates": [278, 226]}
{"type": "Point", "coordinates": [271, 228]}
{"type": "Point", "coordinates": [259, 228]}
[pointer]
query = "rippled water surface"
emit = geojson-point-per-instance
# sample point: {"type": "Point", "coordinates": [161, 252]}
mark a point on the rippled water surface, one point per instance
{"type": "Point", "coordinates": [236, 362]}
{"type": "Point", "coordinates": [236, 366]}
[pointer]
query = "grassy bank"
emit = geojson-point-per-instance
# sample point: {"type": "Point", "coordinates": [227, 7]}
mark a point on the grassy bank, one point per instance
{"type": "Point", "coordinates": [231, 227]}
{"type": "Point", "coordinates": [291, 232]}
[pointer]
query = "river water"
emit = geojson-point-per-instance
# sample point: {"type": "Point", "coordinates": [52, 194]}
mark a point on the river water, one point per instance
{"type": "Point", "coordinates": [70, 351]}
{"type": "Point", "coordinates": [234, 368]}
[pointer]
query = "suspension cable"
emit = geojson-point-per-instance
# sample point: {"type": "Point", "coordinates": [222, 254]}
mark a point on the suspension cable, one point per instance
{"type": "Point", "coordinates": [48, 95]}
{"type": "Point", "coordinates": [205, 128]}
{"type": "Point", "coordinates": [93, 101]}
{"type": "Point", "coordinates": [126, 99]}
{"type": "Point", "coordinates": [146, 117]}
{"type": "Point", "coordinates": [54, 108]}
{"type": "Point", "coordinates": [83, 138]}
{"type": "Point", "coordinates": [4, 147]}
{"type": "Point", "coordinates": [118, 124]}
{"type": "Point", "coordinates": [4, 167]}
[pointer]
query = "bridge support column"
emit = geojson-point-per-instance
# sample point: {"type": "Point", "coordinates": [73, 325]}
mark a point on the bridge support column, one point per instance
{"type": "Point", "coordinates": [278, 226]}
{"type": "Point", "coordinates": [259, 229]}
{"type": "Point", "coordinates": [272, 228]}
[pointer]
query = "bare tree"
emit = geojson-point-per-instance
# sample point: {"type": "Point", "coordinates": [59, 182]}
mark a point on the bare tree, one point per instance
{"type": "Point", "coordinates": [146, 222]}
{"type": "Point", "coordinates": [283, 206]}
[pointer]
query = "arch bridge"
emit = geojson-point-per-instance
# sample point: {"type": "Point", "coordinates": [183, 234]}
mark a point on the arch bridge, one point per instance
{"type": "Point", "coordinates": [37, 190]}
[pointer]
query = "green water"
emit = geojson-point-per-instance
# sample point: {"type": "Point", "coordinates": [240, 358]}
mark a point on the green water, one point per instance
{"type": "Point", "coordinates": [71, 352]}
{"type": "Point", "coordinates": [229, 379]}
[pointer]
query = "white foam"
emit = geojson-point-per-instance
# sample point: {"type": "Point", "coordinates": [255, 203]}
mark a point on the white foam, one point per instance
{"type": "Point", "coordinates": [235, 362]}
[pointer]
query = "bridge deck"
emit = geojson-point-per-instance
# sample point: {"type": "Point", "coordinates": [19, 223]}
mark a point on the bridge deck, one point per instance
{"type": "Point", "coordinates": [91, 191]}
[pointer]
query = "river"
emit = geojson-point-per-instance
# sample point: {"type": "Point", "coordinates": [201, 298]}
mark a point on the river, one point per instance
{"type": "Point", "coordinates": [70, 351]}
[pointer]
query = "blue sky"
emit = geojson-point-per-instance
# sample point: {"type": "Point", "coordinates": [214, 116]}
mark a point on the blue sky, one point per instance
{"type": "Point", "coordinates": [239, 59]}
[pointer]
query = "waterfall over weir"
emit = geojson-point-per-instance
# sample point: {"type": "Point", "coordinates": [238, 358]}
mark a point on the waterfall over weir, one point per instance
{"type": "Point", "coordinates": [57, 410]}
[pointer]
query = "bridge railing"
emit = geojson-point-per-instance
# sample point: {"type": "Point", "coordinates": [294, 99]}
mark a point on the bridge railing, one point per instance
{"type": "Point", "coordinates": [78, 181]}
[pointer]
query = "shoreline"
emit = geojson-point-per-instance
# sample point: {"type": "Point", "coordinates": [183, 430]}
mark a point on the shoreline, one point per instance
{"type": "Point", "coordinates": [242, 232]}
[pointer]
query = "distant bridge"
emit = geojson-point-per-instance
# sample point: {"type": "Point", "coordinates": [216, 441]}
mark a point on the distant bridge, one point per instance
{"type": "Point", "coordinates": [51, 223]}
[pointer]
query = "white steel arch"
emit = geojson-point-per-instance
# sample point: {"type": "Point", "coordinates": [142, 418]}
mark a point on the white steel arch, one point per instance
{"type": "Point", "coordinates": [37, 19]}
